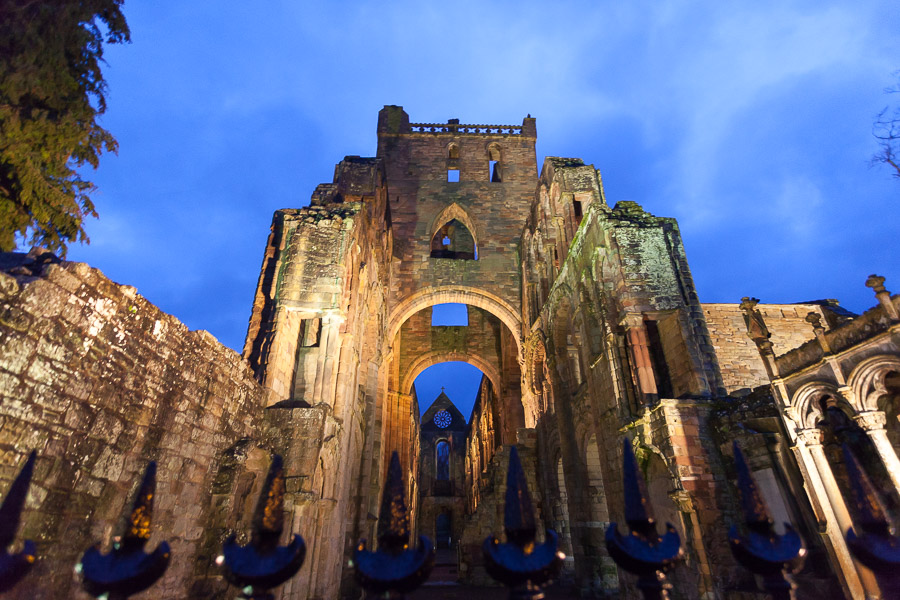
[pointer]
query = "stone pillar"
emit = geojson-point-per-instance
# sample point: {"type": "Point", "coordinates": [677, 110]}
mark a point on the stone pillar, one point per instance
{"type": "Point", "coordinates": [815, 319]}
{"type": "Point", "coordinates": [686, 504]}
{"type": "Point", "coordinates": [639, 349]}
{"type": "Point", "coordinates": [859, 581]}
{"type": "Point", "coordinates": [873, 423]}
{"type": "Point", "coordinates": [876, 282]}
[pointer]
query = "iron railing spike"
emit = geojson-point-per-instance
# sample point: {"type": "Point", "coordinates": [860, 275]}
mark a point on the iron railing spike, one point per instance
{"type": "Point", "coordinates": [13, 567]}
{"type": "Point", "coordinates": [262, 564]}
{"type": "Point", "coordinates": [394, 569]}
{"type": "Point", "coordinates": [875, 545]}
{"type": "Point", "coordinates": [127, 569]}
{"type": "Point", "coordinates": [762, 551]}
{"type": "Point", "coordinates": [521, 564]}
{"type": "Point", "coordinates": [643, 553]}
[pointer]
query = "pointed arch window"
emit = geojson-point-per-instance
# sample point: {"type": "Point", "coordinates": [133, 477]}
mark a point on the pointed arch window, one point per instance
{"type": "Point", "coordinates": [442, 461]}
{"type": "Point", "coordinates": [453, 240]}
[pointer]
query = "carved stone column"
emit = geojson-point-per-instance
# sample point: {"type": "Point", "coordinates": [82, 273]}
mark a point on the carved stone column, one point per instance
{"type": "Point", "coordinates": [873, 423]}
{"type": "Point", "coordinates": [859, 581]}
{"type": "Point", "coordinates": [639, 349]}
{"type": "Point", "coordinates": [819, 480]}
{"type": "Point", "coordinates": [686, 505]}
{"type": "Point", "coordinates": [876, 282]}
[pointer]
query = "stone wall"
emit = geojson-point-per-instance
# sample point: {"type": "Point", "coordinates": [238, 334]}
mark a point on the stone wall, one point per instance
{"type": "Point", "coordinates": [742, 368]}
{"type": "Point", "coordinates": [99, 381]}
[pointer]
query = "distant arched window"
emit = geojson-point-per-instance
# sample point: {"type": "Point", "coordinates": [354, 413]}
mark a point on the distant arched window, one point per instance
{"type": "Point", "coordinates": [453, 151]}
{"type": "Point", "coordinates": [453, 240]}
{"type": "Point", "coordinates": [442, 460]}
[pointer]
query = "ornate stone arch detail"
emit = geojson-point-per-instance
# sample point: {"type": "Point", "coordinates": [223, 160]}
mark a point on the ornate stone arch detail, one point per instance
{"type": "Point", "coordinates": [867, 380]}
{"type": "Point", "coordinates": [535, 376]}
{"type": "Point", "coordinates": [805, 403]}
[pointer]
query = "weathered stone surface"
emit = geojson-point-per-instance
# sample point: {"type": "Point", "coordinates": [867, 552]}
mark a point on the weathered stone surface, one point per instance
{"type": "Point", "coordinates": [106, 383]}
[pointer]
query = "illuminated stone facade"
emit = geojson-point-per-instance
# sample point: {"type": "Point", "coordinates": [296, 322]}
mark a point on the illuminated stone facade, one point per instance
{"type": "Point", "coordinates": [582, 316]}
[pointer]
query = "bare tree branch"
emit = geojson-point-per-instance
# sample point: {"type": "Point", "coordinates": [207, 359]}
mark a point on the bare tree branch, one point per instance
{"type": "Point", "coordinates": [886, 130]}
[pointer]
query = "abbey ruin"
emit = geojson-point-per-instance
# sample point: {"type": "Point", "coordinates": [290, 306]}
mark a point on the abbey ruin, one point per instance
{"type": "Point", "coordinates": [582, 316]}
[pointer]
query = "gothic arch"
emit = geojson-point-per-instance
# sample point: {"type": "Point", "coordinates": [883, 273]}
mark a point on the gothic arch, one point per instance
{"type": "Point", "coordinates": [432, 358]}
{"type": "Point", "coordinates": [458, 294]}
{"type": "Point", "coordinates": [805, 403]}
{"type": "Point", "coordinates": [454, 211]}
{"type": "Point", "coordinates": [867, 380]}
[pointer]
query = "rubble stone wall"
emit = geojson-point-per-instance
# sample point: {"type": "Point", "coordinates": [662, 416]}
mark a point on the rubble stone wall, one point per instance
{"type": "Point", "coordinates": [100, 381]}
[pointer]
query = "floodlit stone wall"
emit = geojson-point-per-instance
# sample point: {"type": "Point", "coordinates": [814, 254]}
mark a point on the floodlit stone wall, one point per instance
{"type": "Point", "coordinates": [99, 381]}
{"type": "Point", "coordinates": [739, 361]}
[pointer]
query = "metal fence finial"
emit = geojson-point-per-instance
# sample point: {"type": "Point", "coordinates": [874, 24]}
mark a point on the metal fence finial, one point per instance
{"type": "Point", "coordinates": [762, 551]}
{"type": "Point", "coordinates": [13, 567]}
{"type": "Point", "coordinates": [521, 564]}
{"type": "Point", "coordinates": [395, 568]}
{"type": "Point", "coordinates": [644, 552]}
{"type": "Point", "coordinates": [262, 564]}
{"type": "Point", "coordinates": [127, 569]}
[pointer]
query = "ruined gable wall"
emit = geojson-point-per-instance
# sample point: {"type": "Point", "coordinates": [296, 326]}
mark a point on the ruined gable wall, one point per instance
{"type": "Point", "coordinates": [99, 381]}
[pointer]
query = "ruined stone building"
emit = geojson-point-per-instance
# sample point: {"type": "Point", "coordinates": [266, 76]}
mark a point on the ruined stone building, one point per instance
{"type": "Point", "coordinates": [583, 318]}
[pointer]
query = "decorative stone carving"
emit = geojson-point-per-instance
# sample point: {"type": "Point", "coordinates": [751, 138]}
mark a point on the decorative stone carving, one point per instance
{"type": "Point", "coordinates": [756, 325]}
{"type": "Point", "coordinates": [809, 437]}
{"type": "Point", "coordinates": [871, 420]}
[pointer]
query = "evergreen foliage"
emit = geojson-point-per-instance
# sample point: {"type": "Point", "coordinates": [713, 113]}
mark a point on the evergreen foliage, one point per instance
{"type": "Point", "coordinates": [51, 94]}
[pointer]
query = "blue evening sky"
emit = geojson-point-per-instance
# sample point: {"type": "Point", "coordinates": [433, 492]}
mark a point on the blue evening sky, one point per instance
{"type": "Point", "coordinates": [750, 122]}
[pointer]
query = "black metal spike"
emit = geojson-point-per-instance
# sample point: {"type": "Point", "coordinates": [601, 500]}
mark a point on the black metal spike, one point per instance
{"type": "Point", "coordinates": [877, 547]}
{"type": "Point", "coordinates": [762, 551]}
{"type": "Point", "coordinates": [393, 518]}
{"type": "Point", "coordinates": [13, 567]}
{"type": "Point", "coordinates": [638, 510]}
{"type": "Point", "coordinates": [262, 564]}
{"type": "Point", "coordinates": [644, 553]}
{"type": "Point", "coordinates": [520, 564]}
{"type": "Point", "coordinates": [127, 569]}
{"type": "Point", "coordinates": [395, 568]}
{"type": "Point", "coordinates": [518, 515]}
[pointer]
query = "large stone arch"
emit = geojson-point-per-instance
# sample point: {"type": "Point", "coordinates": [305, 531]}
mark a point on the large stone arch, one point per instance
{"type": "Point", "coordinates": [432, 358]}
{"type": "Point", "coordinates": [458, 294]}
{"type": "Point", "coordinates": [867, 380]}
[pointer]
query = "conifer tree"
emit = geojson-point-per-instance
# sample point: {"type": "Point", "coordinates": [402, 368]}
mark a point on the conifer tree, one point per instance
{"type": "Point", "coordinates": [51, 93]}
